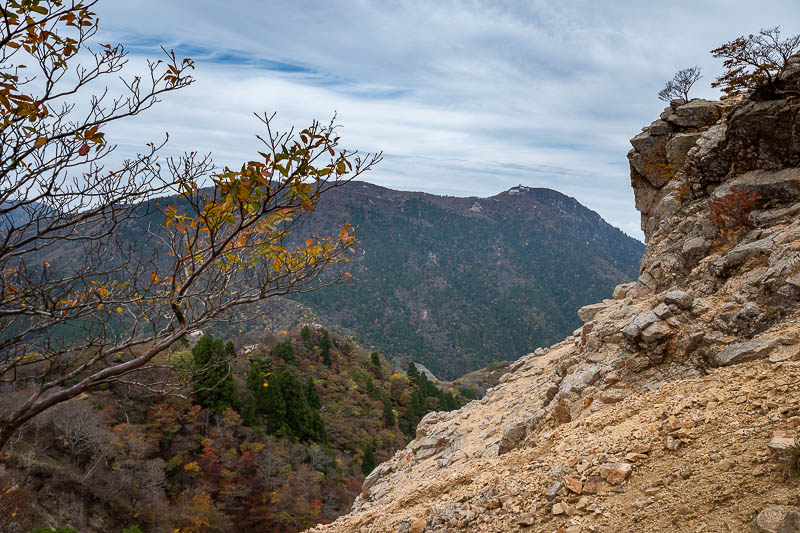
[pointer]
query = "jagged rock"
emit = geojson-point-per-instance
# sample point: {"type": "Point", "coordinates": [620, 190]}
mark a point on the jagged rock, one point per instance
{"type": "Point", "coordinates": [682, 299]}
{"type": "Point", "coordinates": [696, 247]}
{"type": "Point", "coordinates": [634, 328]}
{"type": "Point", "coordinates": [427, 422]}
{"type": "Point", "coordinates": [573, 484]}
{"type": "Point", "coordinates": [620, 291]}
{"type": "Point", "coordinates": [553, 491]}
{"type": "Point", "coordinates": [615, 473]}
{"type": "Point", "coordinates": [577, 380]}
{"type": "Point", "coordinates": [777, 519]}
{"type": "Point", "coordinates": [649, 157]}
{"type": "Point", "coordinates": [781, 444]}
{"type": "Point", "coordinates": [695, 114]}
{"type": "Point", "coordinates": [513, 435]}
{"type": "Point", "coordinates": [745, 351]}
{"type": "Point", "coordinates": [376, 475]}
{"type": "Point", "coordinates": [741, 253]}
{"type": "Point", "coordinates": [772, 186]}
{"type": "Point", "coordinates": [656, 332]}
{"type": "Point", "coordinates": [763, 135]}
{"type": "Point", "coordinates": [559, 508]}
{"type": "Point", "coordinates": [588, 312]}
{"type": "Point", "coordinates": [678, 147]}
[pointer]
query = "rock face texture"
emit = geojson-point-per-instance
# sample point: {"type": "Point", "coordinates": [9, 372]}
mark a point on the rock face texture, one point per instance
{"type": "Point", "coordinates": [656, 414]}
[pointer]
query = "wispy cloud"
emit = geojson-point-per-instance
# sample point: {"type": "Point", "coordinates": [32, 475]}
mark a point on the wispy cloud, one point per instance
{"type": "Point", "coordinates": [464, 97]}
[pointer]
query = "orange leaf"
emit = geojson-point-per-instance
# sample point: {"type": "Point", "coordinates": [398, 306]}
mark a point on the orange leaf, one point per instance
{"type": "Point", "coordinates": [84, 149]}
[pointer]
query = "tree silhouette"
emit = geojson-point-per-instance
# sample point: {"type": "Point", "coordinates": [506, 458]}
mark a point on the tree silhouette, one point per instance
{"type": "Point", "coordinates": [680, 85]}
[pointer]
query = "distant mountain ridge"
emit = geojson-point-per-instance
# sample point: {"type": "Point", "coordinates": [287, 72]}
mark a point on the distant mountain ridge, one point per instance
{"type": "Point", "coordinates": [458, 283]}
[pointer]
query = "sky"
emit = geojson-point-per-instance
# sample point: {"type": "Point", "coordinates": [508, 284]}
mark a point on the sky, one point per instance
{"type": "Point", "coordinates": [464, 98]}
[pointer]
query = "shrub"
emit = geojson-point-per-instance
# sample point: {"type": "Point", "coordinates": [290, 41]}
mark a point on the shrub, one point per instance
{"type": "Point", "coordinates": [733, 210]}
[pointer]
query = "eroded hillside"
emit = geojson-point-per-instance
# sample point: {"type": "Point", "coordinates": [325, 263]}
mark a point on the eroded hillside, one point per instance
{"type": "Point", "coordinates": [657, 413]}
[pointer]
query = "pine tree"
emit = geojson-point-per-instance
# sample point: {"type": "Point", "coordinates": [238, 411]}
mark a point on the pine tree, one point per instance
{"type": "Point", "coordinates": [274, 405]}
{"type": "Point", "coordinates": [213, 386]}
{"type": "Point", "coordinates": [413, 373]}
{"type": "Point", "coordinates": [258, 392]}
{"type": "Point", "coordinates": [311, 394]}
{"type": "Point", "coordinates": [376, 359]}
{"type": "Point", "coordinates": [284, 350]}
{"type": "Point", "coordinates": [306, 334]}
{"type": "Point", "coordinates": [318, 431]}
{"type": "Point", "coordinates": [388, 413]}
{"type": "Point", "coordinates": [249, 415]}
{"type": "Point", "coordinates": [325, 346]}
{"type": "Point", "coordinates": [368, 462]}
{"type": "Point", "coordinates": [298, 412]}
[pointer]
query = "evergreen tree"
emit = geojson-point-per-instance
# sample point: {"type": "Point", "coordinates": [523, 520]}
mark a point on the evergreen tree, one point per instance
{"type": "Point", "coordinates": [413, 373]}
{"type": "Point", "coordinates": [368, 462]}
{"type": "Point", "coordinates": [284, 350]}
{"type": "Point", "coordinates": [257, 403]}
{"type": "Point", "coordinates": [213, 386]}
{"type": "Point", "coordinates": [298, 413]}
{"type": "Point", "coordinates": [318, 431]}
{"type": "Point", "coordinates": [311, 394]}
{"type": "Point", "coordinates": [388, 413]}
{"type": "Point", "coordinates": [249, 415]}
{"type": "Point", "coordinates": [306, 334]}
{"type": "Point", "coordinates": [325, 346]}
{"type": "Point", "coordinates": [376, 359]}
{"type": "Point", "coordinates": [274, 405]}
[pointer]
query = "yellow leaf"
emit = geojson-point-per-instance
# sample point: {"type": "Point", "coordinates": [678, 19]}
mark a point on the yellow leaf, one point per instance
{"type": "Point", "coordinates": [119, 310]}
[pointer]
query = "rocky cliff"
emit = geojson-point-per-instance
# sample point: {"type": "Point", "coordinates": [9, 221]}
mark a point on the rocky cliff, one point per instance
{"type": "Point", "coordinates": [668, 410]}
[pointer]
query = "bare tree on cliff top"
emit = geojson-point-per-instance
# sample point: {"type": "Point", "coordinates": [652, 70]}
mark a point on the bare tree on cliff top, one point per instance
{"type": "Point", "coordinates": [97, 277]}
{"type": "Point", "coordinates": [680, 85]}
{"type": "Point", "coordinates": [757, 62]}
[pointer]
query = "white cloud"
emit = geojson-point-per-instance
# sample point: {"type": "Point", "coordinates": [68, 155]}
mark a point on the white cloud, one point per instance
{"type": "Point", "coordinates": [464, 97]}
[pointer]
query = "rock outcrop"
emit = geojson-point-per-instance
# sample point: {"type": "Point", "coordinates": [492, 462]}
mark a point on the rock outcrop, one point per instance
{"type": "Point", "coordinates": [656, 414]}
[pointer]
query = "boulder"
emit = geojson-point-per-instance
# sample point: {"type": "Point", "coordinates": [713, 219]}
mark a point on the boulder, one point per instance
{"type": "Point", "coordinates": [741, 352]}
{"type": "Point", "coordinates": [696, 247]}
{"type": "Point", "coordinates": [695, 114]}
{"type": "Point", "coordinates": [682, 299]}
{"type": "Point", "coordinates": [584, 375]}
{"type": "Point", "coordinates": [588, 312]}
{"type": "Point", "coordinates": [615, 473]}
{"type": "Point", "coordinates": [621, 291]}
{"type": "Point", "coordinates": [513, 435]}
{"type": "Point", "coordinates": [781, 444]}
{"type": "Point", "coordinates": [656, 332]}
{"type": "Point", "coordinates": [777, 519]}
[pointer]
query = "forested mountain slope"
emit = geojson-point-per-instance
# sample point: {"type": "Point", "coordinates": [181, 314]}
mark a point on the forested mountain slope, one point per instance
{"type": "Point", "coordinates": [458, 283]}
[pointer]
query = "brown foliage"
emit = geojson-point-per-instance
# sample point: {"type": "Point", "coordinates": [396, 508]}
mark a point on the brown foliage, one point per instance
{"type": "Point", "coordinates": [732, 211]}
{"type": "Point", "coordinates": [756, 62]}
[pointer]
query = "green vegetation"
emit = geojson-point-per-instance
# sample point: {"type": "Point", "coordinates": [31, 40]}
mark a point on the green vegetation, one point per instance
{"type": "Point", "coordinates": [368, 461]}
{"type": "Point", "coordinates": [456, 290]}
{"type": "Point", "coordinates": [213, 384]}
